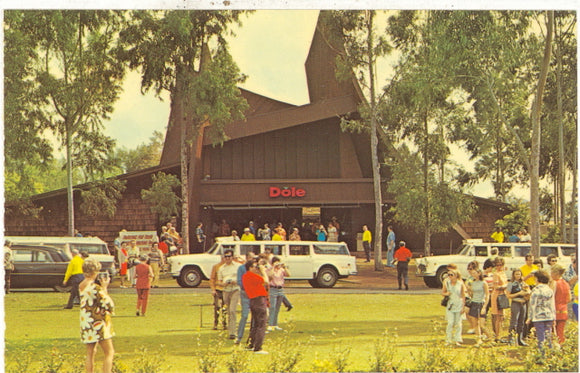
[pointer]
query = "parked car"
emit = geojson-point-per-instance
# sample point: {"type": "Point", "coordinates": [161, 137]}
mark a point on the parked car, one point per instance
{"type": "Point", "coordinates": [321, 263]}
{"type": "Point", "coordinates": [433, 269]}
{"type": "Point", "coordinates": [37, 266]}
{"type": "Point", "coordinates": [94, 246]}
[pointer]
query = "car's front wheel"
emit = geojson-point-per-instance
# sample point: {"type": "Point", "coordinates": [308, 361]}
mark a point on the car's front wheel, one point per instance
{"type": "Point", "coordinates": [190, 277]}
{"type": "Point", "coordinates": [431, 282]}
{"type": "Point", "coordinates": [327, 277]}
{"type": "Point", "coordinates": [441, 276]}
{"type": "Point", "coordinates": [313, 283]}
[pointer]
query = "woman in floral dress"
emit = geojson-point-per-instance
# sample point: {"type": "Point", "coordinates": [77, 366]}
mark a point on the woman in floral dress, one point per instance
{"type": "Point", "coordinates": [95, 315]}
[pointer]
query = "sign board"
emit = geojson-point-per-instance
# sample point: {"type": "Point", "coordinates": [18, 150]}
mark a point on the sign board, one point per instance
{"type": "Point", "coordinates": [310, 212]}
{"type": "Point", "coordinates": [143, 238]}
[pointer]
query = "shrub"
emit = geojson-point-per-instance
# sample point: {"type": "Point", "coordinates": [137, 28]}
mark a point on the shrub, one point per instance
{"type": "Point", "coordinates": [286, 354]}
{"type": "Point", "coordinates": [433, 356]}
{"type": "Point", "coordinates": [209, 356]}
{"type": "Point", "coordinates": [150, 362]}
{"type": "Point", "coordinates": [385, 352]}
{"type": "Point", "coordinates": [239, 360]}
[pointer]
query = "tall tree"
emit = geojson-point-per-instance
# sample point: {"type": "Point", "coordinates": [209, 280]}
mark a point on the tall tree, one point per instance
{"type": "Point", "coordinates": [184, 52]}
{"type": "Point", "coordinates": [360, 45]}
{"type": "Point", "coordinates": [420, 105]}
{"type": "Point", "coordinates": [490, 55]}
{"type": "Point", "coordinates": [473, 41]}
{"type": "Point", "coordinates": [559, 140]}
{"type": "Point", "coordinates": [78, 81]}
{"type": "Point", "coordinates": [26, 151]}
{"type": "Point", "coordinates": [536, 130]}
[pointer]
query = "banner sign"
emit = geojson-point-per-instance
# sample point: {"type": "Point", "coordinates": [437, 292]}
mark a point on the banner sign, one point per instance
{"type": "Point", "coordinates": [143, 238]}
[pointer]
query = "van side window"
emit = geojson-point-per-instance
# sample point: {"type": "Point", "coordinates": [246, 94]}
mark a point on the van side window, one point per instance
{"type": "Point", "coordinates": [504, 251]}
{"type": "Point", "coordinates": [522, 250]}
{"type": "Point", "coordinates": [245, 249]}
{"type": "Point", "coordinates": [331, 249]}
{"type": "Point", "coordinates": [480, 250]}
{"type": "Point", "coordinates": [42, 257]}
{"type": "Point", "coordinates": [299, 250]}
{"type": "Point", "coordinates": [547, 250]}
{"type": "Point", "coordinates": [22, 255]}
{"type": "Point", "coordinates": [275, 249]}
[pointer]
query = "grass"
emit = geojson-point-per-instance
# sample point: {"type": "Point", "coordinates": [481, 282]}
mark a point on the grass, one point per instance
{"type": "Point", "coordinates": [328, 332]}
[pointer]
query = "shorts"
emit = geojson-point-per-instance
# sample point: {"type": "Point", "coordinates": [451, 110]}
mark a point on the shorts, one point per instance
{"type": "Point", "coordinates": [475, 310]}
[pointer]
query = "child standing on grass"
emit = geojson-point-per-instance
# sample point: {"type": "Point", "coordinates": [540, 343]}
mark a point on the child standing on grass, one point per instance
{"type": "Point", "coordinates": [542, 309]}
{"type": "Point", "coordinates": [479, 293]}
{"type": "Point", "coordinates": [143, 274]}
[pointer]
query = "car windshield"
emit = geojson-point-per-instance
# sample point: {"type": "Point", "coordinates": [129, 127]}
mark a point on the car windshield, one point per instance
{"type": "Point", "coordinates": [90, 248]}
{"type": "Point", "coordinates": [466, 250]}
{"type": "Point", "coordinates": [214, 249]}
{"type": "Point", "coordinates": [331, 249]}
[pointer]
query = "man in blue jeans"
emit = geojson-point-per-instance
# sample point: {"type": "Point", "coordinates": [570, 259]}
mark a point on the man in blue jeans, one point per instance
{"type": "Point", "coordinates": [390, 246]}
{"type": "Point", "coordinates": [244, 299]}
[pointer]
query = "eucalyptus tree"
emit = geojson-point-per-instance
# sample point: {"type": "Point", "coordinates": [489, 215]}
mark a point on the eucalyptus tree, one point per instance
{"type": "Point", "coordinates": [358, 45]}
{"type": "Point", "coordinates": [502, 61]}
{"type": "Point", "coordinates": [76, 80]}
{"type": "Point", "coordinates": [184, 52]}
{"type": "Point", "coordinates": [559, 140]}
{"type": "Point", "coordinates": [421, 104]}
{"type": "Point", "coordinates": [491, 55]}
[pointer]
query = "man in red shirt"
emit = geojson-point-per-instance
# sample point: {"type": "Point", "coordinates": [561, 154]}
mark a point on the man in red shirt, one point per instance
{"type": "Point", "coordinates": [403, 255]}
{"type": "Point", "coordinates": [255, 282]}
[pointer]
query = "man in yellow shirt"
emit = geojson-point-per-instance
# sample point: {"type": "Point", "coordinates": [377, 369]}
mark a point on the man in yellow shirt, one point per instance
{"type": "Point", "coordinates": [528, 270]}
{"type": "Point", "coordinates": [498, 235]}
{"type": "Point", "coordinates": [248, 235]}
{"type": "Point", "coordinates": [74, 274]}
{"type": "Point", "coordinates": [367, 238]}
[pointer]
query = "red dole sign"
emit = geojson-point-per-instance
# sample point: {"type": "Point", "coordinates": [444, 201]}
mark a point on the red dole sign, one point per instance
{"type": "Point", "coordinates": [289, 192]}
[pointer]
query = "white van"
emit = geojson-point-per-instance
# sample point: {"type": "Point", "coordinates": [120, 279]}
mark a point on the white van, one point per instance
{"type": "Point", "coordinates": [321, 263]}
{"type": "Point", "coordinates": [433, 269]}
{"type": "Point", "coordinates": [94, 246]}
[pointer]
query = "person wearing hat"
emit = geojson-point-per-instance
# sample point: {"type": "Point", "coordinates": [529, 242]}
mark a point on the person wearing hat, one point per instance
{"type": "Point", "coordinates": [402, 256]}
{"type": "Point", "coordinates": [248, 235]}
{"type": "Point", "coordinates": [74, 274]}
{"type": "Point", "coordinates": [143, 274]}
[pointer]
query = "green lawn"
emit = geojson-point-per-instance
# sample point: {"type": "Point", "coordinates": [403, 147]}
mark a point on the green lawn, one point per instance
{"type": "Point", "coordinates": [327, 333]}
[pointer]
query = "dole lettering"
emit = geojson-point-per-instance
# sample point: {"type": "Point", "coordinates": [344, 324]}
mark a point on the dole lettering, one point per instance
{"type": "Point", "coordinates": [291, 192]}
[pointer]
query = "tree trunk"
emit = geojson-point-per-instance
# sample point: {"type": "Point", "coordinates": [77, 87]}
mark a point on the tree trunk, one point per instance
{"type": "Point", "coordinates": [535, 151]}
{"type": "Point", "coordinates": [378, 242]}
{"type": "Point", "coordinates": [561, 155]}
{"type": "Point", "coordinates": [426, 188]}
{"type": "Point", "coordinates": [69, 184]}
{"type": "Point", "coordinates": [184, 159]}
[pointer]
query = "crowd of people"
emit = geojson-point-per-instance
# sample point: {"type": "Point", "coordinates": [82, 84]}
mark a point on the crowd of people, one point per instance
{"type": "Point", "coordinates": [521, 235]}
{"type": "Point", "coordinates": [308, 230]}
{"type": "Point", "coordinates": [538, 298]}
